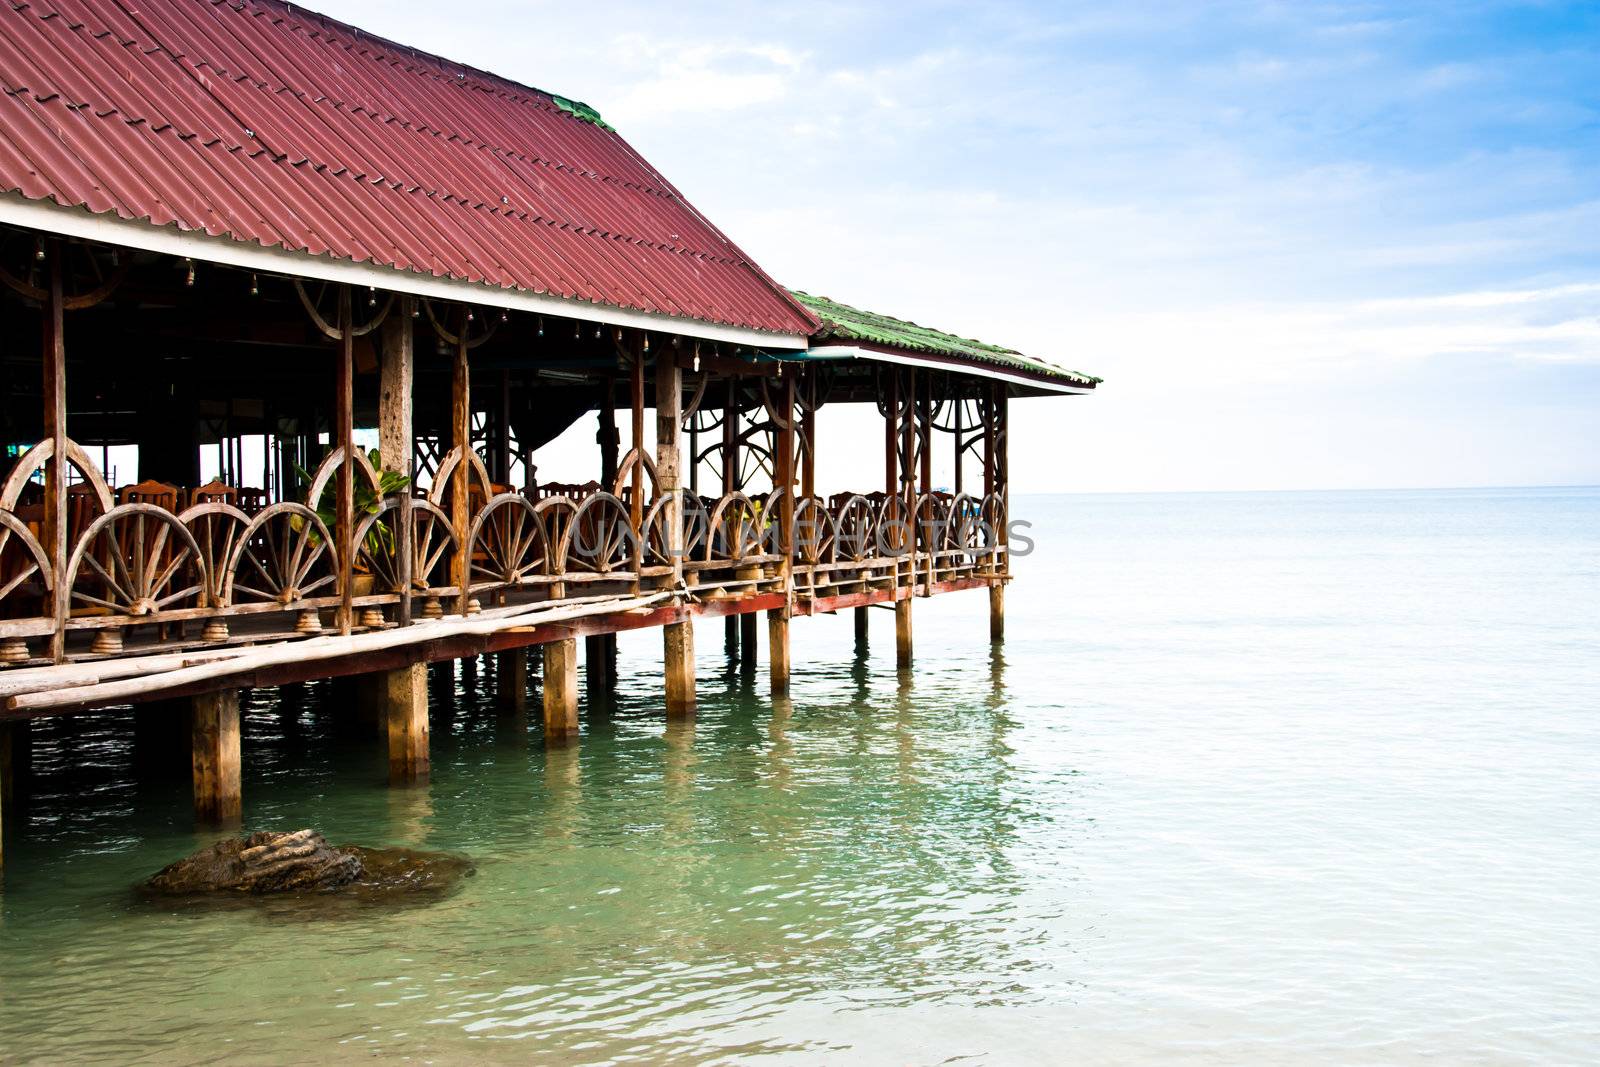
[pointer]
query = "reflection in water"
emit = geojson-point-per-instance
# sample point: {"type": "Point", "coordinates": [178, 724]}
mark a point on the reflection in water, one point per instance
{"type": "Point", "coordinates": [664, 889]}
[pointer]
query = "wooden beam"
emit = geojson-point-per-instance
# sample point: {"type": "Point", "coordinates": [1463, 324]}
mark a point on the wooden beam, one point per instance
{"type": "Point", "coordinates": [215, 731]}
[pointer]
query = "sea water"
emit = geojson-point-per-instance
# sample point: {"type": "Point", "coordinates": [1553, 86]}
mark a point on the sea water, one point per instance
{"type": "Point", "coordinates": [1254, 778]}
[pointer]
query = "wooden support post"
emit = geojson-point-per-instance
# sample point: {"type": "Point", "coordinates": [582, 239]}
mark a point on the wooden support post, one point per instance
{"type": "Point", "coordinates": [677, 637]}
{"type": "Point", "coordinates": [215, 726]}
{"type": "Point", "coordinates": [636, 505]}
{"type": "Point", "coordinates": [902, 632]}
{"type": "Point", "coordinates": [561, 691]}
{"type": "Point", "coordinates": [397, 433]}
{"type": "Point", "coordinates": [678, 644]}
{"type": "Point", "coordinates": [747, 641]}
{"type": "Point", "coordinates": [997, 481]}
{"type": "Point", "coordinates": [461, 438]}
{"type": "Point", "coordinates": [511, 678]}
{"type": "Point", "coordinates": [778, 649]}
{"type": "Point", "coordinates": [730, 636]}
{"type": "Point", "coordinates": [55, 428]}
{"type": "Point", "coordinates": [406, 713]}
{"type": "Point", "coordinates": [344, 438]}
{"type": "Point", "coordinates": [861, 626]}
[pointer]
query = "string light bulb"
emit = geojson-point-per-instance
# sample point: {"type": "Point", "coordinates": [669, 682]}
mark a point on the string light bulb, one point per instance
{"type": "Point", "coordinates": [255, 285]}
{"type": "Point", "coordinates": [38, 249]}
{"type": "Point", "coordinates": [189, 278]}
{"type": "Point", "coordinates": [541, 326]}
{"type": "Point", "coordinates": [372, 296]}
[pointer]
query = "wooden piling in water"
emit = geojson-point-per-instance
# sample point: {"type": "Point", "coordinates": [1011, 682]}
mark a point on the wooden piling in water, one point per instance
{"type": "Point", "coordinates": [747, 641]}
{"type": "Point", "coordinates": [902, 631]}
{"type": "Point", "coordinates": [597, 664]}
{"type": "Point", "coordinates": [406, 715]}
{"type": "Point", "coordinates": [678, 641]}
{"type": "Point", "coordinates": [997, 612]}
{"type": "Point", "coordinates": [778, 649]}
{"type": "Point", "coordinates": [861, 625]}
{"type": "Point", "coordinates": [218, 798]}
{"type": "Point", "coordinates": [561, 691]}
{"type": "Point", "coordinates": [511, 679]}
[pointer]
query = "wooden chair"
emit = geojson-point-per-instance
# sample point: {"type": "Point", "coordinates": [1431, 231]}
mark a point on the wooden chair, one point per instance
{"type": "Point", "coordinates": [151, 491]}
{"type": "Point", "coordinates": [215, 491]}
{"type": "Point", "coordinates": [251, 500]}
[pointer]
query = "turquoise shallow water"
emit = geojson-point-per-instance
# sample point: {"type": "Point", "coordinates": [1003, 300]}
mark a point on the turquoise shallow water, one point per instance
{"type": "Point", "coordinates": [1256, 778]}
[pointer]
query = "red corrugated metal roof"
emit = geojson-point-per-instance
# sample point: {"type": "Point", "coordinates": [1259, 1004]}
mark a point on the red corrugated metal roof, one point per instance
{"type": "Point", "coordinates": [268, 123]}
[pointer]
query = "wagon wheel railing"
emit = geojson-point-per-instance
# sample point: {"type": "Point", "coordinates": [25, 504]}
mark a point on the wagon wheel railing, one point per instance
{"type": "Point", "coordinates": [600, 539]}
{"type": "Point", "coordinates": [284, 559]}
{"type": "Point", "coordinates": [506, 544]}
{"type": "Point", "coordinates": [134, 563]}
{"type": "Point", "coordinates": [657, 540]}
{"type": "Point", "coordinates": [735, 529]}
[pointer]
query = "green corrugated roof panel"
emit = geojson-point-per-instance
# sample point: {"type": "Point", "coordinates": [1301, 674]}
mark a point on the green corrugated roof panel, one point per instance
{"type": "Point", "coordinates": [843, 322]}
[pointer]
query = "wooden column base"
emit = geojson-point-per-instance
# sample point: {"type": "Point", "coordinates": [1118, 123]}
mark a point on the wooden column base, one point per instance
{"type": "Point", "coordinates": [902, 632]}
{"type": "Point", "coordinates": [861, 625]}
{"type": "Point", "coordinates": [218, 799]}
{"type": "Point", "coordinates": [511, 678]}
{"type": "Point", "coordinates": [678, 642]}
{"type": "Point", "coordinates": [406, 715]}
{"type": "Point", "coordinates": [730, 636]}
{"type": "Point", "coordinates": [997, 613]}
{"type": "Point", "coordinates": [561, 691]}
{"type": "Point", "coordinates": [778, 649]}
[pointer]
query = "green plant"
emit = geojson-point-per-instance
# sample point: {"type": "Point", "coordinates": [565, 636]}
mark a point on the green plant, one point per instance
{"type": "Point", "coordinates": [367, 501]}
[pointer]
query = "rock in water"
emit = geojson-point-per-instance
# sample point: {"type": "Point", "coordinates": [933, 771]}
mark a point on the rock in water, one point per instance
{"type": "Point", "coordinates": [263, 862]}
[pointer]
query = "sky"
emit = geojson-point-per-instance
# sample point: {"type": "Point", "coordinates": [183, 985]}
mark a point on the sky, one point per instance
{"type": "Point", "coordinates": [1307, 245]}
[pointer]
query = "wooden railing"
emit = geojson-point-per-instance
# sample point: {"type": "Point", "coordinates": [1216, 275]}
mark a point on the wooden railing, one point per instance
{"type": "Point", "coordinates": [138, 576]}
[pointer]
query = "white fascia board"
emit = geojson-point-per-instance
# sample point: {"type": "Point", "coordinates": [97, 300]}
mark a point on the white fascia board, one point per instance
{"type": "Point", "coordinates": [130, 233]}
{"type": "Point", "coordinates": [905, 359]}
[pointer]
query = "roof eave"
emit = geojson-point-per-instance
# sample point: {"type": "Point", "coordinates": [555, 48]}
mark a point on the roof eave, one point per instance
{"type": "Point", "coordinates": [1023, 382]}
{"type": "Point", "coordinates": [78, 222]}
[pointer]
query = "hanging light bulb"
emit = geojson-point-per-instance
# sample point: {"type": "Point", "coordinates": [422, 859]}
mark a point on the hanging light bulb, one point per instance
{"type": "Point", "coordinates": [416, 310]}
{"type": "Point", "coordinates": [372, 296]}
{"type": "Point", "coordinates": [189, 278]}
{"type": "Point", "coordinates": [504, 317]}
{"type": "Point", "coordinates": [696, 356]}
{"type": "Point", "coordinates": [597, 333]}
{"type": "Point", "coordinates": [541, 325]}
{"type": "Point", "coordinates": [255, 285]}
{"type": "Point", "coordinates": [469, 316]}
{"type": "Point", "coordinates": [38, 249]}
{"type": "Point", "coordinates": [577, 331]}
{"type": "Point", "coordinates": [647, 342]}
